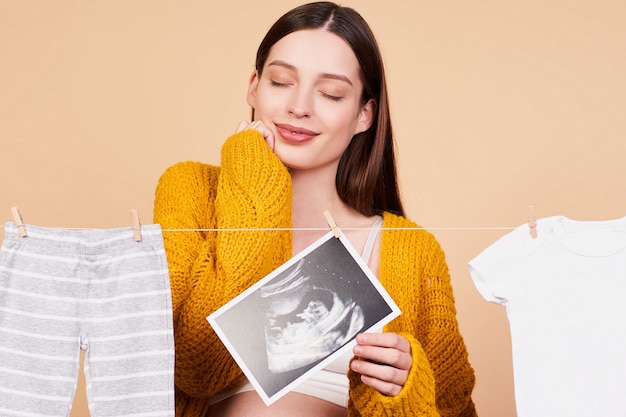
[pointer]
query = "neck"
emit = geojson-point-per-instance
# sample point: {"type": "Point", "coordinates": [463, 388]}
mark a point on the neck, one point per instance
{"type": "Point", "coordinates": [314, 193]}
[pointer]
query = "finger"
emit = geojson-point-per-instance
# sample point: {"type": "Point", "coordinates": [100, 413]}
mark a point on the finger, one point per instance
{"type": "Point", "coordinates": [267, 134]}
{"type": "Point", "coordinates": [259, 127]}
{"type": "Point", "coordinates": [384, 348]}
{"type": "Point", "coordinates": [385, 388]}
{"type": "Point", "coordinates": [389, 357]}
{"type": "Point", "coordinates": [380, 372]}
{"type": "Point", "coordinates": [386, 380]}
{"type": "Point", "coordinates": [388, 340]}
{"type": "Point", "coordinates": [269, 138]}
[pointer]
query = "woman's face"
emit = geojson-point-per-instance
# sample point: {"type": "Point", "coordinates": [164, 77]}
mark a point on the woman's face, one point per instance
{"type": "Point", "coordinates": [309, 97]}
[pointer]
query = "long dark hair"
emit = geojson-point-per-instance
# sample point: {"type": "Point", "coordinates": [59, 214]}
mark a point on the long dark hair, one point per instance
{"type": "Point", "coordinates": [366, 177]}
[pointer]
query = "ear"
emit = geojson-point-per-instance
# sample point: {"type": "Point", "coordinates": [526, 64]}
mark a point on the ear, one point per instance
{"type": "Point", "coordinates": [252, 85]}
{"type": "Point", "coordinates": [365, 116]}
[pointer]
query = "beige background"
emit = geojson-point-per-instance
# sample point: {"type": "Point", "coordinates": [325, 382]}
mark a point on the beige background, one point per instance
{"type": "Point", "coordinates": [497, 106]}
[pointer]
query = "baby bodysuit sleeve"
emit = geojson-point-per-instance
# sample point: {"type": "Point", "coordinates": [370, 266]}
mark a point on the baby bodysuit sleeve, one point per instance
{"type": "Point", "coordinates": [496, 271]}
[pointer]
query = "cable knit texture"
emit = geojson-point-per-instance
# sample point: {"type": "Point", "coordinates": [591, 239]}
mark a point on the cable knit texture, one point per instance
{"type": "Point", "coordinates": [252, 190]}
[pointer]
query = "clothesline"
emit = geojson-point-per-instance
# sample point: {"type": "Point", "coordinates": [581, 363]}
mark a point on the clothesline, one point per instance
{"type": "Point", "coordinates": [325, 228]}
{"type": "Point", "coordinates": [316, 229]}
{"type": "Point", "coordinates": [331, 222]}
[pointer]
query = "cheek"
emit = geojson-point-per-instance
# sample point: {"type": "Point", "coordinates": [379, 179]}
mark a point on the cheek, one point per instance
{"type": "Point", "coordinates": [341, 115]}
{"type": "Point", "coordinates": [341, 121]}
{"type": "Point", "coordinates": [266, 103]}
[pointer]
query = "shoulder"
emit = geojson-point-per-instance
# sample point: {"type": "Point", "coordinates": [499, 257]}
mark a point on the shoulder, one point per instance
{"type": "Point", "coordinates": [408, 248]}
{"type": "Point", "coordinates": [405, 231]}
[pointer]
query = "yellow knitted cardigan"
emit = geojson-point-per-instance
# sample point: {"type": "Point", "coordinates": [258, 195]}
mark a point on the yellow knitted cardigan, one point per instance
{"type": "Point", "coordinates": [252, 190]}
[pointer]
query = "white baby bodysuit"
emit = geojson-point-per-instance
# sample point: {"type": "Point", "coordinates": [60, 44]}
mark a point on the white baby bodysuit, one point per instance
{"type": "Point", "coordinates": [565, 297]}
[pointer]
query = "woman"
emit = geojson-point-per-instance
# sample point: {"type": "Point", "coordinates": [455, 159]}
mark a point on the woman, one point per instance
{"type": "Point", "coordinates": [320, 139]}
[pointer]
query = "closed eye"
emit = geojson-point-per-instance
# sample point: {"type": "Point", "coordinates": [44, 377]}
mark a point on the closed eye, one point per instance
{"type": "Point", "coordinates": [275, 83]}
{"type": "Point", "coordinates": [330, 96]}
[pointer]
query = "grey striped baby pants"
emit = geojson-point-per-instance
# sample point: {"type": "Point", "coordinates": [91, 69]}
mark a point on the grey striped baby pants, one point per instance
{"type": "Point", "coordinates": [63, 290]}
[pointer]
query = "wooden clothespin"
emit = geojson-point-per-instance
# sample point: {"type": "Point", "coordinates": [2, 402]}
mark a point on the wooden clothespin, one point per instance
{"type": "Point", "coordinates": [332, 224]}
{"type": "Point", "coordinates": [136, 225]}
{"type": "Point", "coordinates": [17, 218]}
{"type": "Point", "coordinates": [532, 222]}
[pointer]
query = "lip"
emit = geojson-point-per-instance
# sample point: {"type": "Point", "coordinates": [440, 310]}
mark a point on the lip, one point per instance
{"type": "Point", "coordinates": [293, 134]}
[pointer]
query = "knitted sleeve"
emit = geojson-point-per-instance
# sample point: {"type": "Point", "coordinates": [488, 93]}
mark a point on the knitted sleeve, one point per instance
{"type": "Point", "coordinates": [251, 190]}
{"type": "Point", "coordinates": [441, 380]}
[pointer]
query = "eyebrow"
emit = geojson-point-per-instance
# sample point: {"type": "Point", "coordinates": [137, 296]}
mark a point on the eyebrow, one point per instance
{"type": "Point", "coordinates": [323, 75]}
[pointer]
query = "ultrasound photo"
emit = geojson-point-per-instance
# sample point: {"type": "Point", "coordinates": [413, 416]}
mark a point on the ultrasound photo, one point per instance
{"type": "Point", "coordinates": [302, 316]}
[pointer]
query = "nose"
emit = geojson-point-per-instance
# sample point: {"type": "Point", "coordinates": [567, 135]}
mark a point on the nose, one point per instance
{"type": "Point", "coordinates": [300, 103]}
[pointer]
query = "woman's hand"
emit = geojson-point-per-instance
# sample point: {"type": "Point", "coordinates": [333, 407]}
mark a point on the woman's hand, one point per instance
{"type": "Point", "coordinates": [259, 126]}
{"type": "Point", "coordinates": [384, 361]}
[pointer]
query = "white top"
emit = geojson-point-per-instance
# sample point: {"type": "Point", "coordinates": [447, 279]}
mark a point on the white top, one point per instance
{"type": "Point", "coordinates": [331, 382]}
{"type": "Point", "coordinates": [565, 296]}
